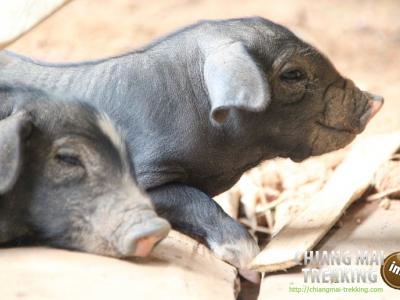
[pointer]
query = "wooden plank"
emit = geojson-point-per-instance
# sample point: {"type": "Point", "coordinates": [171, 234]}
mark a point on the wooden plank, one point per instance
{"type": "Point", "coordinates": [347, 183]}
{"type": "Point", "coordinates": [180, 269]}
{"type": "Point", "coordinates": [19, 16]}
{"type": "Point", "coordinates": [366, 227]}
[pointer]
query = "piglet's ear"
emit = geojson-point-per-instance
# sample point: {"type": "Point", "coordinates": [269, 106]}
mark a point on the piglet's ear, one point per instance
{"type": "Point", "coordinates": [13, 130]}
{"type": "Point", "coordinates": [234, 81]}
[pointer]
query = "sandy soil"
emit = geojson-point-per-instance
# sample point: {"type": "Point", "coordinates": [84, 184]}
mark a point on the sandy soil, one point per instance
{"type": "Point", "coordinates": [362, 37]}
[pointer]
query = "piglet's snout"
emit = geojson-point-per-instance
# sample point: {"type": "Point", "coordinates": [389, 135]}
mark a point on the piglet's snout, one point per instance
{"type": "Point", "coordinates": [127, 220]}
{"type": "Point", "coordinates": [143, 237]}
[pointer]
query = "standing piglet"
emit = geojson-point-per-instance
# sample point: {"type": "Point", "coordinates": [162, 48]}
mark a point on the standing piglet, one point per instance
{"type": "Point", "coordinates": [66, 180]}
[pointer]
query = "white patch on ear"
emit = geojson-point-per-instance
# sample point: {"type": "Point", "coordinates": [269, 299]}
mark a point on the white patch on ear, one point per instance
{"type": "Point", "coordinates": [109, 129]}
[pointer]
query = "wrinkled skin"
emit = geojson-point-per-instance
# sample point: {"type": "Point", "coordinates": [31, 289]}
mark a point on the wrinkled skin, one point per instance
{"type": "Point", "coordinates": [67, 181]}
{"type": "Point", "coordinates": [207, 103]}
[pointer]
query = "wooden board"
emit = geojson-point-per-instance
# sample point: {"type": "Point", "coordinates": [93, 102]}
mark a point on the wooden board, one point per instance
{"type": "Point", "coordinates": [19, 16]}
{"type": "Point", "coordinates": [347, 183]}
{"type": "Point", "coordinates": [182, 269]}
{"type": "Point", "coordinates": [366, 226]}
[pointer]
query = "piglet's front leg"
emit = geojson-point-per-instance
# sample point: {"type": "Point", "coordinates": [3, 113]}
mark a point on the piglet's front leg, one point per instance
{"type": "Point", "coordinates": [192, 212]}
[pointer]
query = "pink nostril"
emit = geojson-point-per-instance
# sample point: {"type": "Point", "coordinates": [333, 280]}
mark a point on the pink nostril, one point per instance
{"type": "Point", "coordinates": [375, 102]}
{"type": "Point", "coordinates": [143, 237]}
{"type": "Point", "coordinates": [376, 105]}
{"type": "Point", "coordinates": [145, 245]}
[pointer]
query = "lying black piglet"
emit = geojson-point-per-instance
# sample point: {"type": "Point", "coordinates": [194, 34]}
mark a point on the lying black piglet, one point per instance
{"type": "Point", "coordinates": [65, 180]}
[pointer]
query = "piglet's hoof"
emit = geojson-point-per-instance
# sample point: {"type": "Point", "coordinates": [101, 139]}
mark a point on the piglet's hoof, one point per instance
{"type": "Point", "coordinates": [238, 253]}
{"type": "Point", "coordinates": [250, 275]}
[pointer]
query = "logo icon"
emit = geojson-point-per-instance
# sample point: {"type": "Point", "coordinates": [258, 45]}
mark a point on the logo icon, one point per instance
{"type": "Point", "coordinates": [390, 270]}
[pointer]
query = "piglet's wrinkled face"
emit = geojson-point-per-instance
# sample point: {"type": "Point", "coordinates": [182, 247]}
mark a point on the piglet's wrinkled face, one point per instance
{"type": "Point", "coordinates": [314, 109]}
{"type": "Point", "coordinates": [347, 112]}
{"type": "Point", "coordinates": [87, 199]}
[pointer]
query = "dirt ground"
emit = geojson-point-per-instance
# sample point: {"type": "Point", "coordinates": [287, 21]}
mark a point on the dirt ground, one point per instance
{"type": "Point", "coordinates": [362, 37]}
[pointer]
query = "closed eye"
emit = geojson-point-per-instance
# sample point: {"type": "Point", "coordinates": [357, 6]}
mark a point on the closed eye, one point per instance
{"type": "Point", "coordinates": [68, 157]}
{"type": "Point", "coordinates": [292, 75]}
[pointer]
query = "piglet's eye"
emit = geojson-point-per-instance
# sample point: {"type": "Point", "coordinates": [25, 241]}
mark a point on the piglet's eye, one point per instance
{"type": "Point", "coordinates": [292, 75]}
{"type": "Point", "coordinates": [69, 158]}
